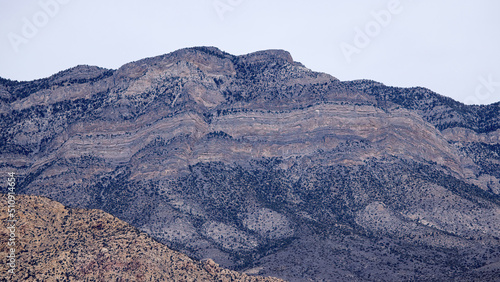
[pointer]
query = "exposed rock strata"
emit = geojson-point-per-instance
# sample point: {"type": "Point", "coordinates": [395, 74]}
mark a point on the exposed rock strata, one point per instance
{"type": "Point", "coordinates": [262, 164]}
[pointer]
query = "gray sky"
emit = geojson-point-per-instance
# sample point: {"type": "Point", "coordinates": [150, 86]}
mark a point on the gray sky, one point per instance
{"type": "Point", "coordinates": [451, 47]}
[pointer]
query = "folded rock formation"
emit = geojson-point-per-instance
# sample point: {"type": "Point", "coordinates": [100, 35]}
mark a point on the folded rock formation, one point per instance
{"type": "Point", "coordinates": [265, 166]}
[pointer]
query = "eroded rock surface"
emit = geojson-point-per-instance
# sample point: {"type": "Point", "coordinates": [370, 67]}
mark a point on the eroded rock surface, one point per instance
{"type": "Point", "coordinates": [263, 165]}
{"type": "Point", "coordinates": [56, 243]}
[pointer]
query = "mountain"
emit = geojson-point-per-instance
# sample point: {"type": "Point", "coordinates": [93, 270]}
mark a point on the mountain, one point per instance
{"type": "Point", "coordinates": [56, 243]}
{"type": "Point", "coordinates": [265, 166]}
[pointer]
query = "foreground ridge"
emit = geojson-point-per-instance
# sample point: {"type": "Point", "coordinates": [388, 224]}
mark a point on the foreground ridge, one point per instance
{"type": "Point", "coordinates": [56, 243]}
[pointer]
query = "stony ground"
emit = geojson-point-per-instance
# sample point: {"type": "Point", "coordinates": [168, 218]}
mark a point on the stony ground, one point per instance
{"type": "Point", "coordinates": [55, 243]}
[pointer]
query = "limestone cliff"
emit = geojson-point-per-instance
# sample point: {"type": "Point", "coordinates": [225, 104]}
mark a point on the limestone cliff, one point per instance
{"type": "Point", "coordinates": [264, 165]}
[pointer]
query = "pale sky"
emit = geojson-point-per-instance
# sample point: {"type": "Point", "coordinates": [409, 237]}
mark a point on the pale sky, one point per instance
{"type": "Point", "coordinates": [451, 47]}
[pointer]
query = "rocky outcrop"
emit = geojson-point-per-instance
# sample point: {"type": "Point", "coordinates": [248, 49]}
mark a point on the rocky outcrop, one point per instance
{"type": "Point", "coordinates": [56, 243]}
{"type": "Point", "coordinates": [263, 165]}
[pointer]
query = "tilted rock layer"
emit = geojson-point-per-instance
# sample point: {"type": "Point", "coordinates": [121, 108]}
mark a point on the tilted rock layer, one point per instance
{"type": "Point", "coordinates": [265, 166]}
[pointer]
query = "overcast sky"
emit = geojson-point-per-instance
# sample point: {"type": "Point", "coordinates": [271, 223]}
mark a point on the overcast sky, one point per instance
{"type": "Point", "coordinates": [451, 47]}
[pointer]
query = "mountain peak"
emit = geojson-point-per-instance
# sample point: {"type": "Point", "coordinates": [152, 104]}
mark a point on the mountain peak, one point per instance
{"type": "Point", "coordinates": [259, 56]}
{"type": "Point", "coordinates": [80, 72]}
{"type": "Point", "coordinates": [267, 55]}
{"type": "Point", "coordinates": [256, 161]}
{"type": "Point", "coordinates": [207, 55]}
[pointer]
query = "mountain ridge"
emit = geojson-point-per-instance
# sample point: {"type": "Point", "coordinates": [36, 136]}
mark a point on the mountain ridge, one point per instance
{"type": "Point", "coordinates": [467, 114]}
{"type": "Point", "coordinates": [253, 160]}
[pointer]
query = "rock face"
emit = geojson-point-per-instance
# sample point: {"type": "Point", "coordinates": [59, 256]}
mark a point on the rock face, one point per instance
{"type": "Point", "coordinates": [265, 166]}
{"type": "Point", "coordinates": [56, 243]}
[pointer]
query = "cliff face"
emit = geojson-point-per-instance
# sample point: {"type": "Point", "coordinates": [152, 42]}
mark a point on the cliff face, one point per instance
{"type": "Point", "coordinates": [262, 164]}
{"type": "Point", "coordinates": [56, 243]}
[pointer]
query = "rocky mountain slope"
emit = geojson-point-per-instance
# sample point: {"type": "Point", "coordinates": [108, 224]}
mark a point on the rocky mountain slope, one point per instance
{"type": "Point", "coordinates": [265, 166]}
{"type": "Point", "coordinates": [56, 243]}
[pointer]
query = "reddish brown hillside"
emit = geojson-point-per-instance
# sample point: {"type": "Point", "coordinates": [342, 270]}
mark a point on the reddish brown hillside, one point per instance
{"type": "Point", "coordinates": [56, 243]}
